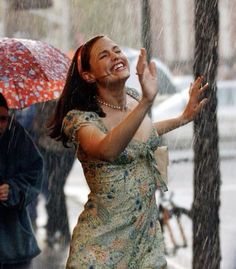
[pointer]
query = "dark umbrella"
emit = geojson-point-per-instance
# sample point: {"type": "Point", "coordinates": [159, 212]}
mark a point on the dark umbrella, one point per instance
{"type": "Point", "coordinates": [31, 71]}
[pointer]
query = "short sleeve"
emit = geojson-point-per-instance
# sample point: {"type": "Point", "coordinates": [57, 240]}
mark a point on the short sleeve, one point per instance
{"type": "Point", "coordinates": [74, 119]}
{"type": "Point", "coordinates": [134, 93]}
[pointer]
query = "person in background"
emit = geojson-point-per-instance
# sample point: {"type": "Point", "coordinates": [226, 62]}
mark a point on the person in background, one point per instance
{"type": "Point", "coordinates": [116, 139]}
{"type": "Point", "coordinates": [21, 167]}
{"type": "Point", "coordinates": [26, 118]}
{"type": "Point", "coordinates": [58, 163]}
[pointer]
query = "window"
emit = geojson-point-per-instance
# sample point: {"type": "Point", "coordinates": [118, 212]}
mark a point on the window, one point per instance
{"type": "Point", "coordinates": [30, 4]}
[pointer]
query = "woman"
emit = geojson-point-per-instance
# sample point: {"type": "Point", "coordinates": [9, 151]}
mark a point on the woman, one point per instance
{"type": "Point", "coordinates": [115, 141]}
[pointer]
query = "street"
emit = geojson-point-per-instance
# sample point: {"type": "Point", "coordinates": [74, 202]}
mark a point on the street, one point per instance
{"type": "Point", "coordinates": [181, 184]}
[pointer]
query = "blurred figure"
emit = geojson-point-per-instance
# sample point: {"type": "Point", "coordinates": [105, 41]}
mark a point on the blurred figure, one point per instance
{"type": "Point", "coordinates": [58, 164]}
{"type": "Point", "coordinates": [26, 118]}
{"type": "Point", "coordinates": [21, 167]}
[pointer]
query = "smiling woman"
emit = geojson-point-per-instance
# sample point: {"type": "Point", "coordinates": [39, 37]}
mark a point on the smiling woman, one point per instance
{"type": "Point", "coordinates": [115, 139]}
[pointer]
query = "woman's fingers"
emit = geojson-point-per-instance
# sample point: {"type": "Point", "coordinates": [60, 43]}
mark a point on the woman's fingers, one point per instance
{"type": "Point", "coordinates": [190, 88]}
{"type": "Point", "coordinates": [143, 66]}
{"type": "Point", "coordinates": [197, 83]}
{"type": "Point", "coordinates": [196, 87]}
{"type": "Point", "coordinates": [203, 88]}
{"type": "Point", "coordinates": [153, 69]}
{"type": "Point", "coordinates": [196, 100]}
{"type": "Point", "coordinates": [142, 62]}
{"type": "Point", "coordinates": [203, 103]}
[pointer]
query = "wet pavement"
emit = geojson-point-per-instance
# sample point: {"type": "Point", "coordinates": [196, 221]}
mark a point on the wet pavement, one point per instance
{"type": "Point", "coordinates": [181, 183]}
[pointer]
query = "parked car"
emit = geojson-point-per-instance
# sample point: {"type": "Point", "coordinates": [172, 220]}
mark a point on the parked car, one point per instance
{"type": "Point", "coordinates": [182, 82]}
{"type": "Point", "coordinates": [183, 136]}
{"type": "Point", "coordinates": [166, 86]}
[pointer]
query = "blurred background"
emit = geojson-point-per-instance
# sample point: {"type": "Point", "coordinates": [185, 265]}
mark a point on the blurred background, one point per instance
{"type": "Point", "coordinates": [67, 23]}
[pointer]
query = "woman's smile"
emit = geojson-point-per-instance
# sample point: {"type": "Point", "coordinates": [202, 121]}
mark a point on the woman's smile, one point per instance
{"type": "Point", "coordinates": [119, 67]}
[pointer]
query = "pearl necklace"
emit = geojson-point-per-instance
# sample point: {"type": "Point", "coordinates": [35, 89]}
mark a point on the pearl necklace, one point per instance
{"type": "Point", "coordinates": [122, 108]}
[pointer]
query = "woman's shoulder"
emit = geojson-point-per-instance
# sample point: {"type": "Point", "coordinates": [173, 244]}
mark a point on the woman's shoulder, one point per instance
{"type": "Point", "coordinates": [81, 115]}
{"type": "Point", "coordinates": [133, 93]}
{"type": "Point", "coordinates": [74, 119]}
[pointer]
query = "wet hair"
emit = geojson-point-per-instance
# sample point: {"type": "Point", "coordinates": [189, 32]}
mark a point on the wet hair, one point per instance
{"type": "Point", "coordinates": [3, 101]}
{"type": "Point", "coordinates": [77, 92]}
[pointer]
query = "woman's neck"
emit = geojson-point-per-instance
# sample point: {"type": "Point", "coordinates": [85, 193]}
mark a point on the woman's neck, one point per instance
{"type": "Point", "coordinates": [113, 96]}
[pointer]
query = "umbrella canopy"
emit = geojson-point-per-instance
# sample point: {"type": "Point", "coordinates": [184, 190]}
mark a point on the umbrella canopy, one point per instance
{"type": "Point", "coordinates": [31, 71]}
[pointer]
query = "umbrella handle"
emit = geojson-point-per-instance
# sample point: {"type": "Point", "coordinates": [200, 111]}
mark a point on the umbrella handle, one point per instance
{"type": "Point", "coordinates": [11, 120]}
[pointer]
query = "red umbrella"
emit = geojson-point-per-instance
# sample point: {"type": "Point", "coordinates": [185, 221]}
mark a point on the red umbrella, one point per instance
{"type": "Point", "coordinates": [31, 71]}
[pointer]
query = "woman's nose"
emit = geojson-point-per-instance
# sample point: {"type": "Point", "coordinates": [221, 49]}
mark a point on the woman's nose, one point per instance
{"type": "Point", "coordinates": [113, 55]}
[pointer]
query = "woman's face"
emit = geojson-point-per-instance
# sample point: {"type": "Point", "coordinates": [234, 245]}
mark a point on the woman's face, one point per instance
{"type": "Point", "coordinates": [107, 61]}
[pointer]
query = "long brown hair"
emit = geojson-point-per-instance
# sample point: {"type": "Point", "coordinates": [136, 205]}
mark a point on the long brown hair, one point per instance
{"type": "Point", "coordinates": [77, 93]}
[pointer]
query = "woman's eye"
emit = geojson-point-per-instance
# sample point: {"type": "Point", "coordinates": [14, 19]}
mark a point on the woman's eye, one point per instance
{"type": "Point", "coordinates": [103, 56]}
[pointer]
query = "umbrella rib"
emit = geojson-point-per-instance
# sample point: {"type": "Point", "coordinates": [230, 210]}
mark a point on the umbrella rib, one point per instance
{"type": "Point", "coordinates": [38, 64]}
{"type": "Point", "coordinates": [18, 94]}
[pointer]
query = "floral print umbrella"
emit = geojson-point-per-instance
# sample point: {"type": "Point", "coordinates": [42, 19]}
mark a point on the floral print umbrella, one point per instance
{"type": "Point", "coordinates": [31, 71]}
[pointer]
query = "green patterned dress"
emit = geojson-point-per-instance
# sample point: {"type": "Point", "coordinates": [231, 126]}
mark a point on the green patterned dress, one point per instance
{"type": "Point", "coordinates": [119, 226]}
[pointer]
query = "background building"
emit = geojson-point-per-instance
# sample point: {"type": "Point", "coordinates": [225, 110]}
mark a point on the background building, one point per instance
{"type": "Point", "coordinates": [173, 35]}
{"type": "Point", "coordinates": [67, 23]}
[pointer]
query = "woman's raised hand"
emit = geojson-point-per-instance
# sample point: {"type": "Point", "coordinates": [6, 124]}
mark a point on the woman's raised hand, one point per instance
{"type": "Point", "coordinates": [147, 74]}
{"type": "Point", "coordinates": [196, 102]}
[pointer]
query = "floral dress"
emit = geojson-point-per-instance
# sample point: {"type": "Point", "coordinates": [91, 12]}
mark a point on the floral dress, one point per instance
{"type": "Point", "coordinates": [119, 226]}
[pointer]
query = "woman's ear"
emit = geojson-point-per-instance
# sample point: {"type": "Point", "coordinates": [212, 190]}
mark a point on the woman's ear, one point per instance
{"type": "Point", "coordinates": [88, 77]}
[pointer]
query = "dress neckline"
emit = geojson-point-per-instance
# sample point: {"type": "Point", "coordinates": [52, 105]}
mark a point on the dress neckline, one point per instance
{"type": "Point", "coordinates": [135, 140]}
{"type": "Point", "coordinates": [131, 92]}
